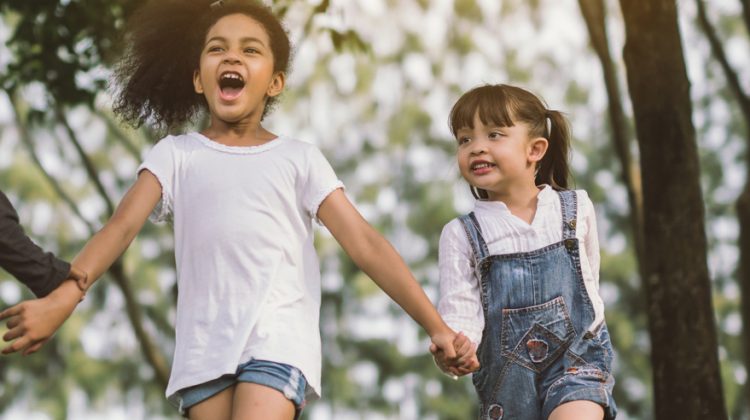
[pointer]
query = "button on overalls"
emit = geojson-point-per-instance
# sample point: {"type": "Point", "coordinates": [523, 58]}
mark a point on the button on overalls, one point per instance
{"type": "Point", "coordinates": [536, 352]}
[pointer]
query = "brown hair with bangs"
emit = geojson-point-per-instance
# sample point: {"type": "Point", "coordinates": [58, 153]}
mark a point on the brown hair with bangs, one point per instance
{"type": "Point", "coordinates": [504, 106]}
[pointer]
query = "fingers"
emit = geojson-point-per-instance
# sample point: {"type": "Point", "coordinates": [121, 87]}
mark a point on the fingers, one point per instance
{"type": "Point", "coordinates": [17, 345]}
{"type": "Point", "coordinates": [12, 334]}
{"type": "Point", "coordinates": [35, 347]}
{"type": "Point", "coordinates": [13, 310]}
{"type": "Point", "coordinates": [81, 278]}
{"type": "Point", "coordinates": [13, 322]}
{"type": "Point", "coordinates": [450, 352]}
{"type": "Point", "coordinates": [463, 346]}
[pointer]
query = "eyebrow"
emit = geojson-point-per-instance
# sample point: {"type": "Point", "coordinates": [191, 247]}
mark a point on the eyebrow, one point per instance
{"type": "Point", "coordinates": [245, 40]}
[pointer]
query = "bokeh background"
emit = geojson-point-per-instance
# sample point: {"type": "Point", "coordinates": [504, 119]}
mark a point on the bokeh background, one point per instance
{"type": "Point", "coordinates": [372, 84]}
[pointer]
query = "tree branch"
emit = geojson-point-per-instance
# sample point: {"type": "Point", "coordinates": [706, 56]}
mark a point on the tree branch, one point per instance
{"type": "Point", "coordinates": [149, 350]}
{"type": "Point", "coordinates": [29, 145]}
{"type": "Point", "coordinates": [87, 163]}
{"type": "Point", "coordinates": [746, 13]}
{"type": "Point", "coordinates": [120, 136]}
{"type": "Point", "coordinates": [593, 12]}
{"type": "Point", "coordinates": [718, 51]}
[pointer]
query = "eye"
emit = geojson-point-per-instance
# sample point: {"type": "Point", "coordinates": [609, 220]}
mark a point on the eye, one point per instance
{"type": "Point", "coordinates": [214, 48]}
{"type": "Point", "coordinates": [251, 50]}
{"type": "Point", "coordinates": [463, 140]}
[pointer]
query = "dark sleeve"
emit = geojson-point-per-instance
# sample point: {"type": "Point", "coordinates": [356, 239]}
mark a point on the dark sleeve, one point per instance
{"type": "Point", "coordinates": [38, 270]}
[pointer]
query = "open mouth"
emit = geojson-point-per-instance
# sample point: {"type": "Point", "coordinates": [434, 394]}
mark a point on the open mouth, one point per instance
{"type": "Point", "coordinates": [231, 84]}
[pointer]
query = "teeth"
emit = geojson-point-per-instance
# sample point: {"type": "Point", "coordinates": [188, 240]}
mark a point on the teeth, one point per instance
{"type": "Point", "coordinates": [481, 165]}
{"type": "Point", "coordinates": [234, 76]}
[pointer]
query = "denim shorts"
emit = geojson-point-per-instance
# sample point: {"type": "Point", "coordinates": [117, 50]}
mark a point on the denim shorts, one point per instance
{"type": "Point", "coordinates": [284, 378]}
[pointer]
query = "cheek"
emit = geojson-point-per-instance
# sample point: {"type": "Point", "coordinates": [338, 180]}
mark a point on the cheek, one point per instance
{"type": "Point", "coordinates": [462, 161]}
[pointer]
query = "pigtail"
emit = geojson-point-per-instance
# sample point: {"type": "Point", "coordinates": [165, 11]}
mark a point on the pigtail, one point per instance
{"type": "Point", "coordinates": [554, 167]}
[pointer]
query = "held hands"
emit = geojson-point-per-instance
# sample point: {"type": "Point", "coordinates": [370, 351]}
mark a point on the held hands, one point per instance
{"type": "Point", "coordinates": [457, 357]}
{"type": "Point", "coordinates": [32, 323]}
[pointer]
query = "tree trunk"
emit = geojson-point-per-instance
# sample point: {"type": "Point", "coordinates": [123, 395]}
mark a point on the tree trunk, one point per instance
{"type": "Point", "coordinates": [687, 384]}
{"type": "Point", "coordinates": [593, 13]}
{"type": "Point", "coordinates": [742, 205]}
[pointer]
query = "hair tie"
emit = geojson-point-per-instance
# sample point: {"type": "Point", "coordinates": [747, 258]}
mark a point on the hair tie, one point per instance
{"type": "Point", "coordinates": [548, 122]}
{"type": "Point", "coordinates": [216, 4]}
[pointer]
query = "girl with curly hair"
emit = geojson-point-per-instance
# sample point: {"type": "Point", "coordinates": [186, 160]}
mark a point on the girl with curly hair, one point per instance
{"type": "Point", "coordinates": [242, 201]}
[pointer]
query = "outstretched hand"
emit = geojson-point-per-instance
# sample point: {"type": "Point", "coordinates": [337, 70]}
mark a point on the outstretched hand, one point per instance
{"type": "Point", "coordinates": [31, 323]}
{"type": "Point", "coordinates": [459, 359]}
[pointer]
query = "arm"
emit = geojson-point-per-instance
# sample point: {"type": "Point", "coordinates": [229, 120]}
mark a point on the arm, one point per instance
{"type": "Point", "coordinates": [33, 322]}
{"type": "Point", "coordinates": [21, 257]}
{"type": "Point", "coordinates": [460, 297]}
{"type": "Point", "coordinates": [591, 238]}
{"type": "Point", "coordinates": [379, 260]}
{"type": "Point", "coordinates": [113, 239]}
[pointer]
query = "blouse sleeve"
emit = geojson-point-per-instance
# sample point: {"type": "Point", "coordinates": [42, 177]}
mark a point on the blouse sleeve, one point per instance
{"type": "Point", "coordinates": [320, 181]}
{"type": "Point", "coordinates": [160, 161]}
{"type": "Point", "coordinates": [591, 236]}
{"type": "Point", "coordinates": [460, 302]}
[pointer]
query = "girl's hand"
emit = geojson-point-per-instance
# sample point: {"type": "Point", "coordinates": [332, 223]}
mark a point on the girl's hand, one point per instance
{"type": "Point", "coordinates": [32, 323]}
{"type": "Point", "coordinates": [466, 354]}
{"type": "Point", "coordinates": [444, 353]}
{"type": "Point", "coordinates": [463, 361]}
{"type": "Point", "coordinates": [80, 277]}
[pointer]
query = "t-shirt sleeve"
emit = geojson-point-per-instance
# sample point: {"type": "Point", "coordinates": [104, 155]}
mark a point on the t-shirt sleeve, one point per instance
{"type": "Point", "coordinates": [320, 181]}
{"type": "Point", "coordinates": [161, 162]}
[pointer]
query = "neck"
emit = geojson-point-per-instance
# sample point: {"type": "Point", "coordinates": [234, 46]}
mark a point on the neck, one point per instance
{"type": "Point", "coordinates": [242, 133]}
{"type": "Point", "coordinates": [521, 200]}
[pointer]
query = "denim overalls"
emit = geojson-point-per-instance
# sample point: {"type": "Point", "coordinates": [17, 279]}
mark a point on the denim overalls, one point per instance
{"type": "Point", "coordinates": [536, 352]}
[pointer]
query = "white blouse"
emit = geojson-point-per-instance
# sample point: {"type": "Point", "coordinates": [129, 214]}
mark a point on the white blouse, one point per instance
{"type": "Point", "coordinates": [460, 301]}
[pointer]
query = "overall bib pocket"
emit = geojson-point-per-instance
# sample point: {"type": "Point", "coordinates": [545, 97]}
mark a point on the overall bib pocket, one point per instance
{"type": "Point", "coordinates": [536, 336]}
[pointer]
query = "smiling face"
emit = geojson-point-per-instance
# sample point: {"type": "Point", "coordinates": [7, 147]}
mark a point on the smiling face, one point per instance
{"type": "Point", "coordinates": [236, 72]}
{"type": "Point", "coordinates": [497, 159]}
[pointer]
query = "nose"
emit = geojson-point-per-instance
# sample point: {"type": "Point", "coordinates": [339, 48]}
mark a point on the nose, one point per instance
{"type": "Point", "coordinates": [477, 147]}
{"type": "Point", "coordinates": [231, 58]}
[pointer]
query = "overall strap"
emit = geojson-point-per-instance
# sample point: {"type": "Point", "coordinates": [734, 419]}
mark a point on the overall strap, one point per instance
{"type": "Point", "coordinates": [569, 206]}
{"type": "Point", "coordinates": [474, 234]}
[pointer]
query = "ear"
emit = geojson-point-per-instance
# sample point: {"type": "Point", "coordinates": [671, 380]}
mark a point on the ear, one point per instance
{"type": "Point", "coordinates": [536, 149]}
{"type": "Point", "coordinates": [197, 85]}
{"type": "Point", "coordinates": [277, 84]}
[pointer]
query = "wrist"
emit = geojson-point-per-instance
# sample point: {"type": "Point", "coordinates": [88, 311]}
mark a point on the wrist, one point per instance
{"type": "Point", "coordinates": [440, 328]}
{"type": "Point", "coordinates": [68, 292]}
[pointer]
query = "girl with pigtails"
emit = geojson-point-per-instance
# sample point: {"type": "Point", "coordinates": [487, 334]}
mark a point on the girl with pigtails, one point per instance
{"type": "Point", "coordinates": [242, 201]}
{"type": "Point", "coordinates": [519, 275]}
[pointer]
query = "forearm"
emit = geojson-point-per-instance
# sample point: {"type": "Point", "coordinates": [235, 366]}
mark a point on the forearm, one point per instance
{"type": "Point", "coordinates": [102, 250]}
{"type": "Point", "coordinates": [110, 242]}
{"type": "Point", "coordinates": [380, 261]}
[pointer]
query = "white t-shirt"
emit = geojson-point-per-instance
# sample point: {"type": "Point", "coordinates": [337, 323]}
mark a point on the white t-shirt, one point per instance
{"type": "Point", "coordinates": [247, 272]}
{"type": "Point", "coordinates": [460, 301]}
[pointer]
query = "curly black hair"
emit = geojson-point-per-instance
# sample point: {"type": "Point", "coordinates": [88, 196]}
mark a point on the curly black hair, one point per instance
{"type": "Point", "coordinates": [154, 78]}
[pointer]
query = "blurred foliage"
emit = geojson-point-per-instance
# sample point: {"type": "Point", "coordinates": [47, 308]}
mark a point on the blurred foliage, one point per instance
{"type": "Point", "coordinates": [372, 86]}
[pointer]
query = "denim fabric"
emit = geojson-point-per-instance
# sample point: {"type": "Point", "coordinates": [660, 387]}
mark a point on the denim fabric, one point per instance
{"type": "Point", "coordinates": [536, 352]}
{"type": "Point", "coordinates": [281, 377]}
